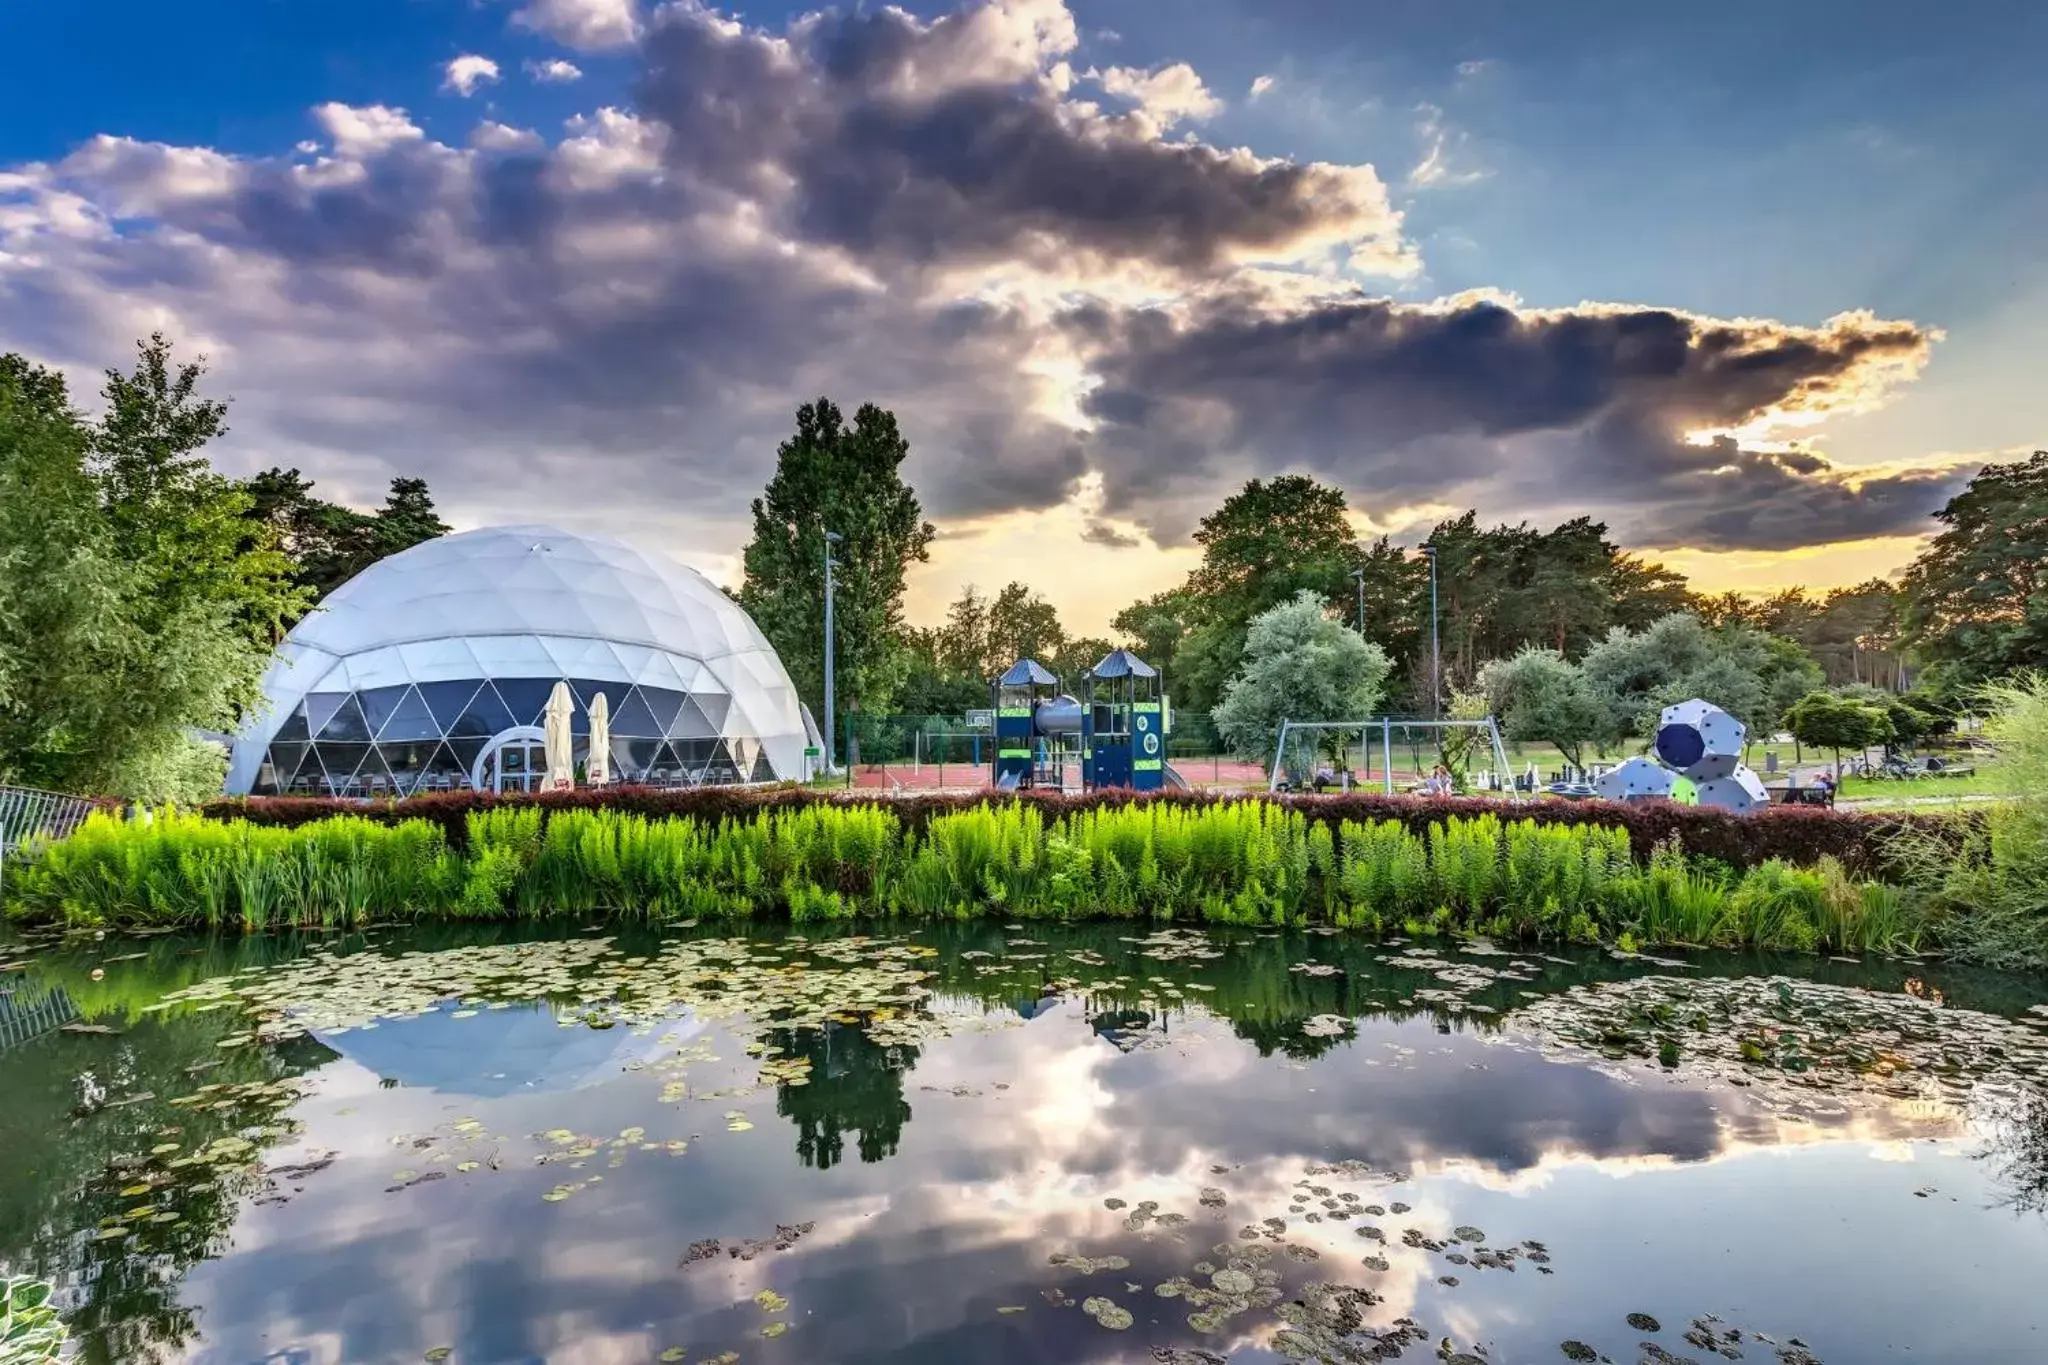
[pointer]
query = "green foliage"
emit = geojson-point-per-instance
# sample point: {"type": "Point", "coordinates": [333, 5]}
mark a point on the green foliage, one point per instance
{"type": "Point", "coordinates": [1229, 862]}
{"type": "Point", "coordinates": [1994, 893]}
{"type": "Point", "coordinates": [1298, 665]}
{"type": "Point", "coordinates": [1828, 720]}
{"type": "Point", "coordinates": [1743, 671]}
{"type": "Point", "coordinates": [1977, 597]}
{"type": "Point", "coordinates": [328, 543]}
{"type": "Point", "coordinates": [1539, 696]}
{"type": "Point", "coordinates": [847, 479]}
{"type": "Point", "coordinates": [134, 604]}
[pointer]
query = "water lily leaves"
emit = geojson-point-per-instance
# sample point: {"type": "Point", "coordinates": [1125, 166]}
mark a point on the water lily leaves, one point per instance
{"type": "Point", "coordinates": [1233, 1281]}
{"type": "Point", "coordinates": [1108, 1313]}
{"type": "Point", "coordinates": [439, 1353]}
{"type": "Point", "coordinates": [1467, 1233]}
{"type": "Point", "coordinates": [1578, 1350]}
{"type": "Point", "coordinates": [774, 1329]}
{"type": "Point", "coordinates": [768, 1301]}
{"type": "Point", "coordinates": [1643, 1322]}
{"type": "Point", "coordinates": [673, 1353]}
{"type": "Point", "coordinates": [1009, 1308]}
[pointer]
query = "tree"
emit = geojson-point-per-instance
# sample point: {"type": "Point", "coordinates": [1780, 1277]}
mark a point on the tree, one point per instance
{"type": "Point", "coordinates": [1269, 542]}
{"type": "Point", "coordinates": [135, 606]}
{"type": "Point", "coordinates": [328, 543]}
{"type": "Point", "coordinates": [848, 480]}
{"type": "Point", "coordinates": [1976, 600]}
{"type": "Point", "coordinates": [1738, 668]}
{"type": "Point", "coordinates": [1298, 664]}
{"type": "Point", "coordinates": [1827, 720]}
{"type": "Point", "coordinates": [1156, 626]}
{"type": "Point", "coordinates": [1540, 696]}
{"type": "Point", "coordinates": [1021, 625]}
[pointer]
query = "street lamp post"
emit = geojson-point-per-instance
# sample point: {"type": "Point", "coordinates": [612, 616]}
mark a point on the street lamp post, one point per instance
{"type": "Point", "coordinates": [1358, 577]}
{"type": "Point", "coordinates": [831, 720]}
{"type": "Point", "coordinates": [1436, 661]}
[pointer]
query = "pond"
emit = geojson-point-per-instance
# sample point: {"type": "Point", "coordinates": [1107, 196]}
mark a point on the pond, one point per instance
{"type": "Point", "coordinates": [1016, 1144]}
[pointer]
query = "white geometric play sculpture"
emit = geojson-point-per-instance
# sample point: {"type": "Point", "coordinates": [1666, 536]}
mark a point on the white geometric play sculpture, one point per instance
{"type": "Point", "coordinates": [1742, 793]}
{"type": "Point", "coordinates": [1699, 741]}
{"type": "Point", "coordinates": [1639, 779]}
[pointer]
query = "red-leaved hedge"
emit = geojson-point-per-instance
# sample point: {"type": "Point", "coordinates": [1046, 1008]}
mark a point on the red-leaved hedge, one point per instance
{"type": "Point", "coordinates": [1796, 834]}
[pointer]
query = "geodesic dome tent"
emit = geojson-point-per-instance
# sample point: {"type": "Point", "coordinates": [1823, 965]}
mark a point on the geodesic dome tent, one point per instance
{"type": "Point", "coordinates": [430, 670]}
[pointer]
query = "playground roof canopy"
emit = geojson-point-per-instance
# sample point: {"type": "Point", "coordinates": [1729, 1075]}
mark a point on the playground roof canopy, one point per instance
{"type": "Point", "coordinates": [1027, 673]}
{"type": "Point", "coordinates": [1121, 663]}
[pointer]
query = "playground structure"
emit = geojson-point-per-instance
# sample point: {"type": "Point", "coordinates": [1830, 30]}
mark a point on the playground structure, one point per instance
{"type": "Point", "coordinates": [1115, 734]}
{"type": "Point", "coordinates": [1498, 776]}
{"type": "Point", "coordinates": [1698, 750]}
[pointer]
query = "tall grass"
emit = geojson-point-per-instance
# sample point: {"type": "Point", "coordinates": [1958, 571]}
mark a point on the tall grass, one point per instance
{"type": "Point", "coordinates": [1242, 862]}
{"type": "Point", "coordinates": [1989, 882]}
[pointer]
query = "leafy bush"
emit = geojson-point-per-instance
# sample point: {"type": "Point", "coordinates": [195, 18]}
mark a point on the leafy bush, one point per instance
{"type": "Point", "coordinates": [30, 1331]}
{"type": "Point", "coordinates": [1238, 862]}
{"type": "Point", "coordinates": [1801, 835]}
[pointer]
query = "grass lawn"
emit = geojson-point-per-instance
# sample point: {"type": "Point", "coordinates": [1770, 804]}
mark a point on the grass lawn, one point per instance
{"type": "Point", "coordinates": [1978, 783]}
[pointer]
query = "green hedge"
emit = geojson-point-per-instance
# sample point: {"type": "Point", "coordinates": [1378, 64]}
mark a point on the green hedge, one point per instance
{"type": "Point", "coordinates": [1239, 862]}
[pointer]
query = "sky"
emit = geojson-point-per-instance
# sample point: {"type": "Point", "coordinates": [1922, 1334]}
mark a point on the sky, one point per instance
{"type": "Point", "coordinates": [1759, 285]}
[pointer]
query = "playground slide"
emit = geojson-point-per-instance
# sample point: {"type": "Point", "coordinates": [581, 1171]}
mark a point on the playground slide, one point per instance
{"type": "Point", "coordinates": [1175, 780]}
{"type": "Point", "coordinates": [1008, 783]}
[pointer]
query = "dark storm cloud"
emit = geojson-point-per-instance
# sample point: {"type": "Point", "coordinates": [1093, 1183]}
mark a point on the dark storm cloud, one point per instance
{"type": "Point", "coordinates": [1582, 408]}
{"type": "Point", "coordinates": [950, 143]}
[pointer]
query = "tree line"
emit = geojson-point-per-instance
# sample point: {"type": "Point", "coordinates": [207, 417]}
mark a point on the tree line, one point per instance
{"type": "Point", "coordinates": [141, 591]}
{"type": "Point", "coordinates": [1559, 630]}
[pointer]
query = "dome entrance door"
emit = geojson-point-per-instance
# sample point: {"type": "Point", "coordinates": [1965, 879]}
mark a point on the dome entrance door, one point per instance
{"type": "Point", "coordinates": [515, 760]}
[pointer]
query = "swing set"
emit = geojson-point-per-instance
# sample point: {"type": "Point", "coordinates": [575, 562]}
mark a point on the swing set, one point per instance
{"type": "Point", "coordinates": [1499, 776]}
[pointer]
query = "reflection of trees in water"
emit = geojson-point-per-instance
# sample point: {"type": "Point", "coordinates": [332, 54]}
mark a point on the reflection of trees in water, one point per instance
{"type": "Point", "coordinates": [856, 1086]}
{"type": "Point", "coordinates": [65, 1164]}
{"type": "Point", "coordinates": [2017, 1149]}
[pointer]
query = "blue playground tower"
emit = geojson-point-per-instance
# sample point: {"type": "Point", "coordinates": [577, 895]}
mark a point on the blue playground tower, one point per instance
{"type": "Point", "coordinates": [1118, 732]}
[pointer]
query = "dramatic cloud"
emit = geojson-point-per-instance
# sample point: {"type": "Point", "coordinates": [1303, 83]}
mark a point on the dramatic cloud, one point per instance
{"type": "Point", "coordinates": [1596, 407]}
{"type": "Point", "coordinates": [1061, 300]}
{"type": "Point", "coordinates": [589, 25]}
{"type": "Point", "coordinates": [1260, 86]}
{"type": "Point", "coordinates": [555, 71]}
{"type": "Point", "coordinates": [467, 72]}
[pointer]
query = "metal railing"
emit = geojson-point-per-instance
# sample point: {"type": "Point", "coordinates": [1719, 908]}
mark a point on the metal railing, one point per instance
{"type": "Point", "coordinates": [26, 813]}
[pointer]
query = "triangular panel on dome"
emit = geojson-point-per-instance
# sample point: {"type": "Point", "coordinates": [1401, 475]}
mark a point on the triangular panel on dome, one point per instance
{"type": "Point", "coordinates": [512, 656]}
{"type": "Point", "coordinates": [376, 668]}
{"type": "Point", "coordinates": [716, 706]}
{"type": "Point", "coordinates": [762, 772]}
{"type": "Point", "coordinates": [446, 701]}
{"type": "Point", "coordinates": [692, 722]}
{"type": "Point", "coordinates": [527, 698]}
{"type": "Point", "coordinates": [583, 658]}
{"type": "Point", "coordinates": [465, 752]}
{"type": "Point", "coordinates": [632, 658]}
{"type": "Point", "coordinates": [407, 761]}
{"type": "Point", "coordinates": [633, 758]}
{"type": "Point", "coordinates": [320, 708]}
{"type": "Point", "coordinates": [661, 704]}
{"type": "Point", "coordinates": [410, 719]}
{"type": "Point", "coordinates": [285, 761]}
{"type": "Point", "coordinates": [379, 702]}
{"type": "Point", "coordinates": [632, 718]}
{"type": "Point", "coordinates": [346, 724]}
{"type": "Point", "coordinates": [295, 726]}
{"type": "Point", "coordinates": [485, 716]}
{"type": "Point", "coordinates": [340, 761]}
{"type": "Point", "coordinates": [373, 776]}
{"type": "Point", "coordinates": [439, 660]}
{"type": "Point", "coordinates": [661, 671]}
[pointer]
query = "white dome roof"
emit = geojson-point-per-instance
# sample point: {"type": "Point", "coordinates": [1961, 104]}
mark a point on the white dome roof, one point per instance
{"type": "Point", "coordinates": [533, 602]}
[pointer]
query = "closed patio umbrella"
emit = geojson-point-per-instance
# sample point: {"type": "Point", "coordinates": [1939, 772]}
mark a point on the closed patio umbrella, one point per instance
{"type": "Point", "coordinates": [561, 759]}
{"type": "Point", "coordinates": [597, 769]}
